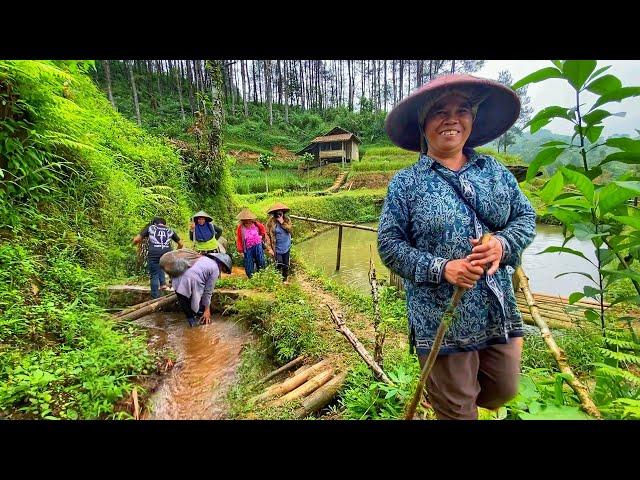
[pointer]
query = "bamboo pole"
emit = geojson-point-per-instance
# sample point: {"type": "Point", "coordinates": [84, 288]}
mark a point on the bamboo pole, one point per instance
{"type": "Point", "coordinates": [141, 312]}
{"type": "Point", "coordinates": [293, 382]}
{"type": "Point", "coordinates": [561, 359]}
{"type": "Point", "coordinates": [321, 397]}
{"type": "Point", "coordinates": [305, 389]}
{"type": "Point", "coordinates": [353, 340]}
{"type": "Point", "coordinates": [337, 224]}
{"type": "Point", "coordinates": [293, 363]}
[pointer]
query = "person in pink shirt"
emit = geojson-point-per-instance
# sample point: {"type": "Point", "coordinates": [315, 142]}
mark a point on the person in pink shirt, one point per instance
{"type": "Point", "coordinates": [250, 236]}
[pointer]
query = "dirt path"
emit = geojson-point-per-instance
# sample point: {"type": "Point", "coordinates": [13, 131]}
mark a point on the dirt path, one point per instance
{"type": "Point", "coordinates": [361, 325]}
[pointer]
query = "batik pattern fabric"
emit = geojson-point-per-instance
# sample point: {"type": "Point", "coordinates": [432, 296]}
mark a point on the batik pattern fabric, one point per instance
{"type": "Point", "coordinates": [424, 224]}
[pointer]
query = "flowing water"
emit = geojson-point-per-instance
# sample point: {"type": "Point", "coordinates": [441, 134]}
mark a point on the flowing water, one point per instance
{"type": "Point", "coordinates": [207, 359]}
{"type": "Point", "coordinates": [320, 251]}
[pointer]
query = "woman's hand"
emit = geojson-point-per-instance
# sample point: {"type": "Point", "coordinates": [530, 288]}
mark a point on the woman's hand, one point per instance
{"type": "Point", "coordinates": [206, 316]}
{"type": "Point", "coordinates": [192, 226]}
{"type": "Point", "coordinates": [461, 273]}
{"type": "Point", "coordinates": [487, 254]}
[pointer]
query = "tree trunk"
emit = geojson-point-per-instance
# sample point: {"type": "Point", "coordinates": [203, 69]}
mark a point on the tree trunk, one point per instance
{"type": "Point", "coordinates": [190, 85]}
{"type": "Point", "coordinates": [393, 81]}
{"type": "Point", "coordinates": [302, 89]}
{"type": "Point", "coordinates": [255, 88]}
{"type": "Point", "coordinates": [401, 93]}
{"type": "Point", "coordinates": [107, 74]}
{"type": "Point", "coordinates": [243, 74]}
{"type": "Point", "coordinates": [279, 74]}
{"type": "Point", "coordinates": [267, 74]}
{"type": "Point", "coordinates": [135, 93]}
{"type": "Point", "coordinates": [179, 84]}
{"type": "Point", "coordinates": [350, 74]}
{"type": "Point", "coordinates": [217, 109]}
{"type": "Point", "coordinates": [158, 75]}
{"type": "Point", "coordinates": [286, 91]}
{"type": "Point", "coordinates": [385, 86]}
{"type": "Point", "coordinates": [453, 66]}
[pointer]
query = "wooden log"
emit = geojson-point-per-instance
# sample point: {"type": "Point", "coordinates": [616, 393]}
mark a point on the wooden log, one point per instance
{"type": "Point", "coordinates": [293, 382]}
{"type": "Point", "coordinates": [306, 388]}
{"type": "Point", "coordinates": [293, 363]}
{"type": "Point", "coordinates": [321, 397]}
{"type": "Point", "coordinates": [353, 340]}
{"type": "Point", "coordinates": [583, 394]}
{"type": "Point", "coordinates": [137, 307]}
{"type": "Point", "coordinates": [141, 312]}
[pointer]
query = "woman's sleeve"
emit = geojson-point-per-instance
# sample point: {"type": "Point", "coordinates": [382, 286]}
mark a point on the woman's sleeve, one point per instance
{"type": "Point", "coordinates": [239, 239]}
{"type": "Point", "coordinates": [394, 246]}
{"type": "Point", "coordinates": [520, 230]}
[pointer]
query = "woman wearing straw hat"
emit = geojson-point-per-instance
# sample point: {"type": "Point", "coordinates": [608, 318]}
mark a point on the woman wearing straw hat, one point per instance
{"type": "Point", "coordinates": [434, 214]}
{"type": "Point", "coordinates": [204, 233]}
{"type": "Point", "coordinates": [279, 237]}
{"type": "Point", "coordinates": [250, 235]}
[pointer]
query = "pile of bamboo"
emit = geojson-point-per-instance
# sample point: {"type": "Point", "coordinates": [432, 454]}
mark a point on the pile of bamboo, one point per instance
{"type": "Point", "coordinates": [314, 385]}
{"type": "Point", "coordinates": [555, 309]}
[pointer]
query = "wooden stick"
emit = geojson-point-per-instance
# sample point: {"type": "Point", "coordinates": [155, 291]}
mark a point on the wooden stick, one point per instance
{"type": "Point", "coordinates": [141, 312]}
{"type": "Point", "coordinates": [293, 382]}
{"type": "Point", "coordinates": [321, 397]}
{"type": "Point", "coordinates": [353, 340]}
{"type": "Point", "coordinates": [306, 388]}
{"type": "Point", "coordinates": [445, 321]}
{"type": "Point", "coordinates": [560, 357]}
{"type": "Point", "coordinates": [293, 363]}
{"type": "Point", "coordinates": [377, 321]}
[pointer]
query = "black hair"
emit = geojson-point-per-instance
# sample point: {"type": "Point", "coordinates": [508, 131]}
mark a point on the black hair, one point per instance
{"type": "Point", "coordinates": [158, 221]}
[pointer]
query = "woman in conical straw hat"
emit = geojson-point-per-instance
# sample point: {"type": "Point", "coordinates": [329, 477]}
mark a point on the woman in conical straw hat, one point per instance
{"type": "Point", "coordinates": [433, 217]}
{"type": "Point", "coordinates": [279, 230]}
{"type": "Point", "coordinates": [204, 233]}
{"type": "Point", "coordinates": [250, 236]}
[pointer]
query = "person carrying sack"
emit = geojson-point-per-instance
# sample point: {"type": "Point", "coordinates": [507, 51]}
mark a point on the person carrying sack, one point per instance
{"type": "Point", "coordinates": [194, 277]}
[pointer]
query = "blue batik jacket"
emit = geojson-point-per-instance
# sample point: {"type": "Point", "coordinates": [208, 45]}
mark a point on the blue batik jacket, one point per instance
{"type": "Point", "coordinates": [424, 223]}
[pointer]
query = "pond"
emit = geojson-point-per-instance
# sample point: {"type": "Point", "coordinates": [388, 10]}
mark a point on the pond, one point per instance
{"type": "Point", "coordinates": [320, 251]}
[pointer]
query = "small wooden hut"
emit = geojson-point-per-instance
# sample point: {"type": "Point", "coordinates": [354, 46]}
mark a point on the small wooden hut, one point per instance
{"type": "Point", "coordinates": [337, 145]}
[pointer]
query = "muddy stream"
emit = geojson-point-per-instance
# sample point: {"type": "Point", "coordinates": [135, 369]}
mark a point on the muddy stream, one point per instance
{"type": "Point", "coordinates": [207, 359]}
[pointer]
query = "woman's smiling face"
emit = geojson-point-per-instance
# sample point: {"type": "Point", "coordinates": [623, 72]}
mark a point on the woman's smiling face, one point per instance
{"type": "Point", "coordinates": [448, 126]}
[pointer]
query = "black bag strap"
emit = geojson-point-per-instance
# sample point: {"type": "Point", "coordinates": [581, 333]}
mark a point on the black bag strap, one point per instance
{"type": "Point", "coordinates": [467, 203]}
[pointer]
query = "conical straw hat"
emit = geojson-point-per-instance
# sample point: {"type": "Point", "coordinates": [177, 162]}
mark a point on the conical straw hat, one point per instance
{"type": "Point", "coordinates": [246, 214]}
{"type": "Point", "coordinates": [278, 206]}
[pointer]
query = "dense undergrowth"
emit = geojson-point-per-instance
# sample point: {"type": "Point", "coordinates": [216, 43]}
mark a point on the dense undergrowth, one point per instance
{"type": "Point", "coordinates": [77, 181]}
